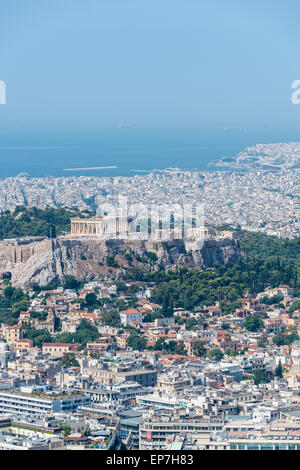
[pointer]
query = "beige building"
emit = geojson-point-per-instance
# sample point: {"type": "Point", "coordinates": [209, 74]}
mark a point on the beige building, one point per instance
{"type": "Point", "coordinates": [106, 376]}
{"type": "Point", "coordinates": [12, 334]}
{"type": "Point", "coordinates": [122, 341]}
{"type": "Point", "coordinates": [56, 349]}
{"type": "Point", "coordinates": [24, 344]}
{"type": "Point", "coordinates": [170, 383]}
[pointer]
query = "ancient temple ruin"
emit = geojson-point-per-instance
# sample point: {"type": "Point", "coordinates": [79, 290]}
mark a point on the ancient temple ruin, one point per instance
{"type": "Point", "coordinates": [100, 226]}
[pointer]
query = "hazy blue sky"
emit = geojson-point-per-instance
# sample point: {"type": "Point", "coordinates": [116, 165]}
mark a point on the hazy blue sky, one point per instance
{"type": "Point", "coordinates": [84, 66]}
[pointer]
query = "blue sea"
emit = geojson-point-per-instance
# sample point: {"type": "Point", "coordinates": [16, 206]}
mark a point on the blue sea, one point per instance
{"type": "Point", "coordinates": [128, 149]}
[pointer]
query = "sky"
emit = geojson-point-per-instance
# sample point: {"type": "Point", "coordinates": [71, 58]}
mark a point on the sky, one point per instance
{"type": "Point", "coordinates": [77, 68]}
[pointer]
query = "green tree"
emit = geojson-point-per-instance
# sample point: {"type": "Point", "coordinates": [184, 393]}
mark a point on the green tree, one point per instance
{"type": "Point", "coordinates": [66, 430]}
{"type": "Point", "coordinates": [216, 354]}
{"type": "Point", "coordinates": [111, 262]}
{"type": "Point", "coordinates": [20, 306]}
{"type": "Point", "coordinates": [39, 337]}
{"type": "Point", "coordinates": [136, 342]}
{"type": "Point", "coordinates": [279, 371]}
{"type": "Point", "coordinates": [91, 301]}
{"type": "Point", "coordinates": [295, 306]}
{"type": "Point", "coordinates": [70, 282]}
{"type": "Point", "coordinates": [85, 333]}
{"type": "Point", "coordinates": [69, 360]}
{"type": "Point", "coordinates": [51, 231]}
{"type": "Point", "coordinates": [259, 376]}
{"type": "Point", "coordinates": [180, 349]}
{"type": "Point", "coordinates": [199, 348]}
{"type": "Point", "coordinates": [281, 339]}
{"type": "Point", "coordinates": [111, 318]}
{"type": "Point", "coordinates": [254, 323]}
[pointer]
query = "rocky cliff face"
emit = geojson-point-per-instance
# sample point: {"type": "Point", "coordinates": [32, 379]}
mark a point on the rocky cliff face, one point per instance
{"type": "Point", "coordinates": [42, 261]}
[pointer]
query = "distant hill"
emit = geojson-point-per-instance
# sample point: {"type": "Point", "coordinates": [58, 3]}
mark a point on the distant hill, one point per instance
{"type": "Point", "coordinates": [49, 222]}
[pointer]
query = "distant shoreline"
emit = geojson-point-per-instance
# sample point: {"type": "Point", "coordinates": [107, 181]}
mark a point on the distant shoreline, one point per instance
{"type": "Point", "coordinates": [91, 168]}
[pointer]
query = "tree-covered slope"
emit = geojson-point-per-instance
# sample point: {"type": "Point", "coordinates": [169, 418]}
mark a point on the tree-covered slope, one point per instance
{"type": "Point", "coordinates": [258, 245]}
{"type": "Point", "coordinates": [24, 222]}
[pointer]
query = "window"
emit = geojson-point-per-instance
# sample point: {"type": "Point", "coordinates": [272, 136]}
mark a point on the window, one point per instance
{"type": "Point", "coordinates": [253, 447]}
{"type": "Point", "coordinates": [267, 447]}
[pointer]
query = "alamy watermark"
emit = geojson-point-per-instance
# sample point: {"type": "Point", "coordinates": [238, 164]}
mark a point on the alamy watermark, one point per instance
{"type": "Point", "coordinates": [2, 92]}
{"type": "Point", "coordinates": [296, 93]}
{"type": "Point", "coordinates": [139, 221]}
{"type": "Point", "coordinates": [155, 221]}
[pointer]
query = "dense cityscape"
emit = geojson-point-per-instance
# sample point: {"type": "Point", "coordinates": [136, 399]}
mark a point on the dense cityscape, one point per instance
{"type": "Point", "coordinates": [101, 366]}
{"type": "Point", "coordinates": [263, 201]}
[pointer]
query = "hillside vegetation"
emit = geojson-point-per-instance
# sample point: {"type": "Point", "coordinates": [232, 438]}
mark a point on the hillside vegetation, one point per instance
{"type": "Point", "coordinates": [49, 222]}
{"type": "Point", "coordinates": [258, 245]}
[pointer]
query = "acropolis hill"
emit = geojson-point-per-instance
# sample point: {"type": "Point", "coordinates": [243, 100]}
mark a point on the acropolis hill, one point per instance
{"type": "Point", "coordinates": [42, 260]}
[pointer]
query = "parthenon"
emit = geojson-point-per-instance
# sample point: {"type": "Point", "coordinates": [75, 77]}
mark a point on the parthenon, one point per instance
{"type": "Point", "coordinates": [100, 226]}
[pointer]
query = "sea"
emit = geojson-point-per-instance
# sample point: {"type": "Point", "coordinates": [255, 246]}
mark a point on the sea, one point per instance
{"type": "Point", "coordinates": [127, 152]}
